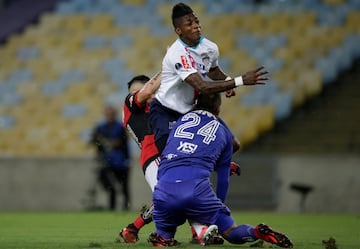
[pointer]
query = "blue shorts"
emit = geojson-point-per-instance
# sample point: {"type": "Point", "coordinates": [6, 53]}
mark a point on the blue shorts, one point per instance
{"type": "Point", "coordinates": [162, 119]}
{"type": "Point", "coordinates": [194, 200]}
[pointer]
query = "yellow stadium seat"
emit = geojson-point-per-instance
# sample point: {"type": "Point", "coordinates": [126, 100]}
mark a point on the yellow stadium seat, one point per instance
{"type": "Point", "coordinates": [299, 95]}
{"type": "Point", "coordinates": [133, 2]}
{"type": "Point", "coordinates": [50, 22]}
{"type": "Point", "coordinates": [246, 132]}
{"type": "Point", "coordinates": [240, 62]}
{"type": "Point", "coordinates": [75, 23]}
{"type": "Point", "coordinates": [100, 24]}
{"type": "Point", "coordinates": [276, 23]}
{"type": "Point", "coordinates": [30, 88]}
{"type": "Point", "coordinates": [253, 23]}
{"type": "Point", "coordinates": [333, 2]}
{"type": "Point", "coordinates": [312, 82]}
{"type": "Point", "coordinates": [264, 116]}
{"type": "Point", "coordinates": [352, 21]}
{"type": "Point", "coordinates": [286, 77]}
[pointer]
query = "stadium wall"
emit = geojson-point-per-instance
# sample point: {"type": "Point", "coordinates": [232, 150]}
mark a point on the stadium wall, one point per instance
{"type": "Point", "coordinates": [70, 184]}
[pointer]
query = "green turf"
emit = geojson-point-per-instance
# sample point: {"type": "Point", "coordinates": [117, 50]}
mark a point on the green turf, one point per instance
{"type": "Point", "coordinates": [99, 229]}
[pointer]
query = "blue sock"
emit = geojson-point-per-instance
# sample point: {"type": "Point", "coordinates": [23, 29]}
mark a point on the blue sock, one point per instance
{"type": "Point", "coordinates": [241, 234]}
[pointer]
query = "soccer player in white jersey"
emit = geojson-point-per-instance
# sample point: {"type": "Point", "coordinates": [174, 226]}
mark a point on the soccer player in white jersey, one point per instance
{"type": "Point", "coordinates": [188, 62]}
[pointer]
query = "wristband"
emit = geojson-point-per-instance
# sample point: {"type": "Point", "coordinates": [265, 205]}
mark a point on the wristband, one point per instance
{"type": "Point", "coordinates": [239, 81]}
{"type": "Point", "coordinates": [228, 78]}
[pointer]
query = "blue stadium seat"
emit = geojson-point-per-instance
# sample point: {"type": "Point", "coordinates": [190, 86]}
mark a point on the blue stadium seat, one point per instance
{"type": "Point", "coordinates": [121, 42]}
{"type": "Point", "coordinates": [54, 88]}
{"type": "Point", "coordinates": [10, 98]}
{"type": "Point", "coordinates": [6, 121]}
{"type": "Point", "coordinates": [74, 110]}
{"type": "Point", "coordinates": [282, 103]}
{"type": "Point", "coordinates": [71, 76]}
{"type": "Point", "coordinates": [27, 53]}
{"type": "Point", "coordinates": [19, 76]}
{"type": "Point", "coordinates": [66, 8]}
{"type": "Point", "coordinates": [248, 42]}
{"type": "Point", "coordinates": [95, 41]}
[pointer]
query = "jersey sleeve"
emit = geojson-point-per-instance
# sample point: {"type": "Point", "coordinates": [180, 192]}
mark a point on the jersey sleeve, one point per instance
{"type": "Point", "coordinates": [223, 167]}
{"type": "Point", "coordinates": [215, 61]}
{"type": "Point", "coordinates": [132, 103]}
{"type": "Point", "coordinates": [179, 62]}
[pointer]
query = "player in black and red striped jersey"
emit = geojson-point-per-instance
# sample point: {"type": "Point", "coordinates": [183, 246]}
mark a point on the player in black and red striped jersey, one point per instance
{"type": "Point", "coordinates": [136, 121]}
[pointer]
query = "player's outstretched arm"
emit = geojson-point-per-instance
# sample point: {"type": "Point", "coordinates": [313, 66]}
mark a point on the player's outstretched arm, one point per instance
{"type": "Point", "coordinates": [206, 87]}
{"type": "Point", "coordinates": [149, 88]}
{"type": "Point", "coordinates": [252, 77]}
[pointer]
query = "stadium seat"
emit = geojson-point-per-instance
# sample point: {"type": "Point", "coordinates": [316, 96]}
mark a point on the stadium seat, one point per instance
{"type": "Point", "coordinates": [6, 121]}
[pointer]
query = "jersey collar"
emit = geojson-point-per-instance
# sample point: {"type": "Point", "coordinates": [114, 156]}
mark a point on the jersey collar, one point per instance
{"type": "Point", "coordinates": [194, 47]}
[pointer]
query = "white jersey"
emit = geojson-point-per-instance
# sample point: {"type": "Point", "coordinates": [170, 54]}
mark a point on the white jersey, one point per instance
{"type": "Point", "coordinates": [179, 62]}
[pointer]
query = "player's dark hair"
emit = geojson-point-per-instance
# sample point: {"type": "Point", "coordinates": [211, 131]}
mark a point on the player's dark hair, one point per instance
{"type": "Point", "coordinates": [180, 10]}
{"type": "Point", "coordinates": [140, 78]}
{"type": "Point", "coordinates": [209, 102]}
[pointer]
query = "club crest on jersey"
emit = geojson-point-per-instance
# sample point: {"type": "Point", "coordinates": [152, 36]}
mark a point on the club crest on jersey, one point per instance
{"type": "Point", "coordinates": [178, 66]}
{"type": "Point", "coordinates": [187, 148]}
{"type": "Point", "coordinates": [170, 156]}
{"type": "Point", "coordinates": [205, 59]}
{"type": "Point", "coordinates": [185, 62]}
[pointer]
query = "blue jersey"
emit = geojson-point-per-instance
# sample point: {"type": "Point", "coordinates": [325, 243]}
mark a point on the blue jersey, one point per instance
{"type": "Point", "coordinates": [114, 156]}
{"type": "Point", "coordinates": [198, 144]}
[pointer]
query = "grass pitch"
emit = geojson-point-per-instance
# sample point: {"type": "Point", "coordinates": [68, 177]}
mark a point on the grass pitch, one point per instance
{"type": "Point", "coordinates": [68, 230]}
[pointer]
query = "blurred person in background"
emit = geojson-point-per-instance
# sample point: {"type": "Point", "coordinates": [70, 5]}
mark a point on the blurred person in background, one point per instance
{"type": "Point", "coordinates": [112, 153]}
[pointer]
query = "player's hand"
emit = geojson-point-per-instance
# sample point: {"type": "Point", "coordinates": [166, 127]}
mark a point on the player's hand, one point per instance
{"type": "Point", "coordinates": [255, 77]}
{"type": "Point", "coordinates": [235, 169]}
{"type": "Point", "coordinates": [230, 93]}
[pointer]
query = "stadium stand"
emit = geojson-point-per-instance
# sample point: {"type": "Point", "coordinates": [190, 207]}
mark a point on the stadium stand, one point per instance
{"type": "Point", "coordinates": [325, 124]}
{"type": "Point", "coordinates": [56, 75]}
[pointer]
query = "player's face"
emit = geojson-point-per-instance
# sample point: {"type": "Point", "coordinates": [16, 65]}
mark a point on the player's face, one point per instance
{"type": "Point", "coordinates": [110, 114]}
{"type": "Point", "coordinates": [189, 29]}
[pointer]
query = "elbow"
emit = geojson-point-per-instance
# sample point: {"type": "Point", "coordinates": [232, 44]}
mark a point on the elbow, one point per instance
{"type": "Point", "coordinates": [236, 145]}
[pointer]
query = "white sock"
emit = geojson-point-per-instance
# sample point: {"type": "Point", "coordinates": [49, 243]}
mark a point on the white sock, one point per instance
{"type": "Point", "coordinates": [198, 227]}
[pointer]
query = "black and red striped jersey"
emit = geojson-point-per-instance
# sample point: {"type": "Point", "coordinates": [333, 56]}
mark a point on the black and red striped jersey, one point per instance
{"type": "Point", "coordinates": [136, 121]}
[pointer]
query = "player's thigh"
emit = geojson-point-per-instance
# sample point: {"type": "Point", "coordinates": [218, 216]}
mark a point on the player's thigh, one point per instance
{"type": "Point", "coordinates": [151, 174]}
{"type": "Point", "coordinates": [168, 211]}
{"type": "Point", "coordinates": [161, 119]}
{"type": "Point", "coordinates": [205, 205]}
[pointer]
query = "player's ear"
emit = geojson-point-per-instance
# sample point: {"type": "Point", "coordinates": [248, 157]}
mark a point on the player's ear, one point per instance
{"type": "Point", "coordinates": [178, 31]}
